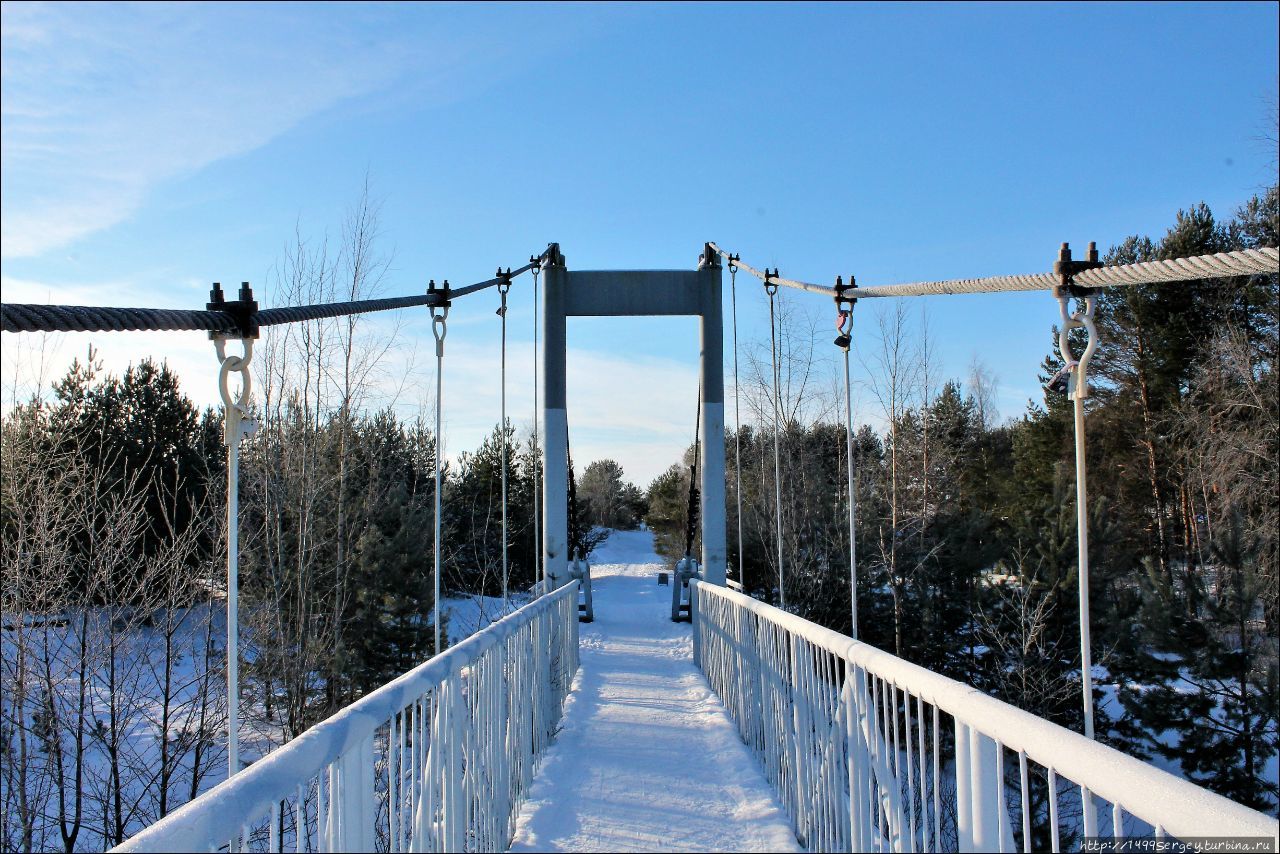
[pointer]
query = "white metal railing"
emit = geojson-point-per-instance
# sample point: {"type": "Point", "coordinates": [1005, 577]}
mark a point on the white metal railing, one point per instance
{"type": "Point", "coordinates": [868, 752]}
{"type": "Point", "coordinates": [439, 759]}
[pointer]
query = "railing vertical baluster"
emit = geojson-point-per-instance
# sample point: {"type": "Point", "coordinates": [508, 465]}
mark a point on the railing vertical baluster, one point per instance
{"type": "Point", "coordinates": [880, 756]}
{"type": "Point", "coordinates": [834, 747]}
{"type": "Point", "coordinates": [1002, 815]}
{"type": "Point", "coordinates": [301, 837]}
{"type": "Point", "coordinates": [1090, 813]}
{"type": "Point", "coordinates": [415, 736]}
{"type": "Point", "coordinates": [454, 806]}
{"type": "Point", "coordinates": [322, 814]}
{"type": "Point", "coordinates": [1053, 811]}
{"type": "Point", "coordinates": [893, 785]}
{"type": "Point", "coordinates": [937, 783]}
{"type": "Point", "coordinates": [365, 758]}
{"type": "Point", "coordinates": [393, 744]}
{"type": "Point", "coordinates": [1026, 802]}
{"type": "Point", "coordinates": [1117, 822]}
{"type": "Point", "coordinates": [404, 812]}
{"type": "Point", "coordinates": [920, 754]}
{"type": "Point", "coordinates": [752, 654]}
{"type": "Point", "coordinates": [911, 779]}
{"type": "Point", "coordinates": [892, 709]}
{"type": "Point", "coordinates": [801, 740]}
{"type": "Point", "coordinates": [425, 828]}
{"type": "Point", "coordinates": [857, 763]}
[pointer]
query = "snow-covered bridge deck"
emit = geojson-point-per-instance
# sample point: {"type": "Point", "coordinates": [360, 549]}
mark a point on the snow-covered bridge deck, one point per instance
{"type": "Point", "coordinates": [647, 759]}
{"type": "Point", "coordinates": [633, 750]}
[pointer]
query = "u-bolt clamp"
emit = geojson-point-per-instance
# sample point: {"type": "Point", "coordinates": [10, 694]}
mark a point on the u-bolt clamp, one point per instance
{"type": "Point", "coordinates": [237, 422]}
{"type": "Point", "coordinates": [770, 286]}
{"type": "Point", "coordinates": [734, 258]}
{"type": "Point", "coordinates": [1077, 369]}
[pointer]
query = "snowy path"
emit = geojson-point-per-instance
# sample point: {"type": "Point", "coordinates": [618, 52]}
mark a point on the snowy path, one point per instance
{"type": "Point", "coordinates": [647, 759]}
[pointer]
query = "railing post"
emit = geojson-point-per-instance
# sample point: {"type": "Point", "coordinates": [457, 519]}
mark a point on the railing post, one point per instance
{"type": "Point", "coordinates": [697, 641]}
{"type": "Point", "coordinates": [455, 807]}
{"type": "Point", "coordinates": [581, 570]}
{"type": "Point", "coordinates": [353, 797]}
{"type": "Point", "coordinates": [854, 707]}
{"type": "Point", "coordinates": [986, 792]}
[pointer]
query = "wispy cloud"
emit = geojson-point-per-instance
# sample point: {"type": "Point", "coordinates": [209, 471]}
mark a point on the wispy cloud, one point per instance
{"type": "Point", "coordinates": [101, 103]}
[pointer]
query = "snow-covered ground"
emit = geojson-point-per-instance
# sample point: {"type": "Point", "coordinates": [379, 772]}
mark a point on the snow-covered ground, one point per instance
{"type": "Point", "coordinates": [647, 759]}
{"type": "Point", "coordinates": [466, 614]}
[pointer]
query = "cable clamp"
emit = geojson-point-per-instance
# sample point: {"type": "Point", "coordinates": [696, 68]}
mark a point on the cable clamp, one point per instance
{"type": "Point", "coordinates": [441, 294]}
{"type": "Point", "coordinates": [1065, 268]}
{"type": "Point", "coordinates": [770, 287]}
{"type": "Point", "coordinates": [242, 312]}
{"type": "Point", "coordinates": [734, 258]}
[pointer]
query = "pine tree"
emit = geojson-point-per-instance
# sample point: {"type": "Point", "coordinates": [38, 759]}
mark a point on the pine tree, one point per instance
{"type": "Point", "coordinates": [609, 501]}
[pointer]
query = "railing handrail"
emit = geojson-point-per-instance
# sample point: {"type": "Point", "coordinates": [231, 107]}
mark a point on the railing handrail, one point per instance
{"type": "Point", "coordinates": [205, 820]}
{"type": "Point", "coordinates": [1181, 808]}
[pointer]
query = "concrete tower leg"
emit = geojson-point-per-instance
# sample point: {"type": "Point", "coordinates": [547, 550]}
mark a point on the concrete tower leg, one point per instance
{"type": "Point", "coordinates": [555, 431]}
{"type": "Point", "coordinates": [711, 322]}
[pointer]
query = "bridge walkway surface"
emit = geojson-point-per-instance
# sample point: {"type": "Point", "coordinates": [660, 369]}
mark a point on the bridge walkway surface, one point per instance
{"type": "Point", "coordinates": [647, 759]}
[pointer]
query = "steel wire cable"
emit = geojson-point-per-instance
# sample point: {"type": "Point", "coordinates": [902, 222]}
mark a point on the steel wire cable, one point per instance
{"type": "Point", "coordinates": [845, 342]}
{"type": "Point", "coordinates": [1242, 262]}
{"type": "Point", "coordinates": [691, 512]}
{"type": "Point", "coordinates": [737, 415]}
{"type": "Point", "coordinates": [439, 328]}
{"type": "Point", "coordinates": [18, 317]}
{"type": "Point", "coordinates": [772, 290]}
{"type": "Point", "coordinates": [29, 317]}
{"type": "Point", "coordinates": [503, 289]}
{"type": "Point", "coordinates": [539, 566]}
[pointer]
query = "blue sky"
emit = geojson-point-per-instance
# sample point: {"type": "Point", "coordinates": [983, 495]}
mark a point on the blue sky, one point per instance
{"type": "Point", "coordinates": [148, 150]}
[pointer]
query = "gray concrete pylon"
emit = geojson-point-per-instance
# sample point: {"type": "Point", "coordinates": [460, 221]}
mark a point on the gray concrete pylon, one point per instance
{"type": "Point", "coordinates": [628, 293]}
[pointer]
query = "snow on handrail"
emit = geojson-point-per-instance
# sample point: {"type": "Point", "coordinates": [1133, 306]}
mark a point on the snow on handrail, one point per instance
{"type": "Point", "coordinates": [807, 699]}
{"type": "Point", "coordinates": [438, 759]}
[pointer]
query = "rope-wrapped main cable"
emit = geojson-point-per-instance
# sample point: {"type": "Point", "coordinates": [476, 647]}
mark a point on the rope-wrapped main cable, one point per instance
{"type": "Point", "coordinates": [1243, 262]}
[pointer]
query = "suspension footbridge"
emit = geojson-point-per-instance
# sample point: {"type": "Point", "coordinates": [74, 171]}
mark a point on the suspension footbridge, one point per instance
{"type": "Point", "coordinates": [746, 727]}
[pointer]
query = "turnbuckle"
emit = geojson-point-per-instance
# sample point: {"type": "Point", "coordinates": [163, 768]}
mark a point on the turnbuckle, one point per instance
{"type": "Point", "coordinates": [844, 312]}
